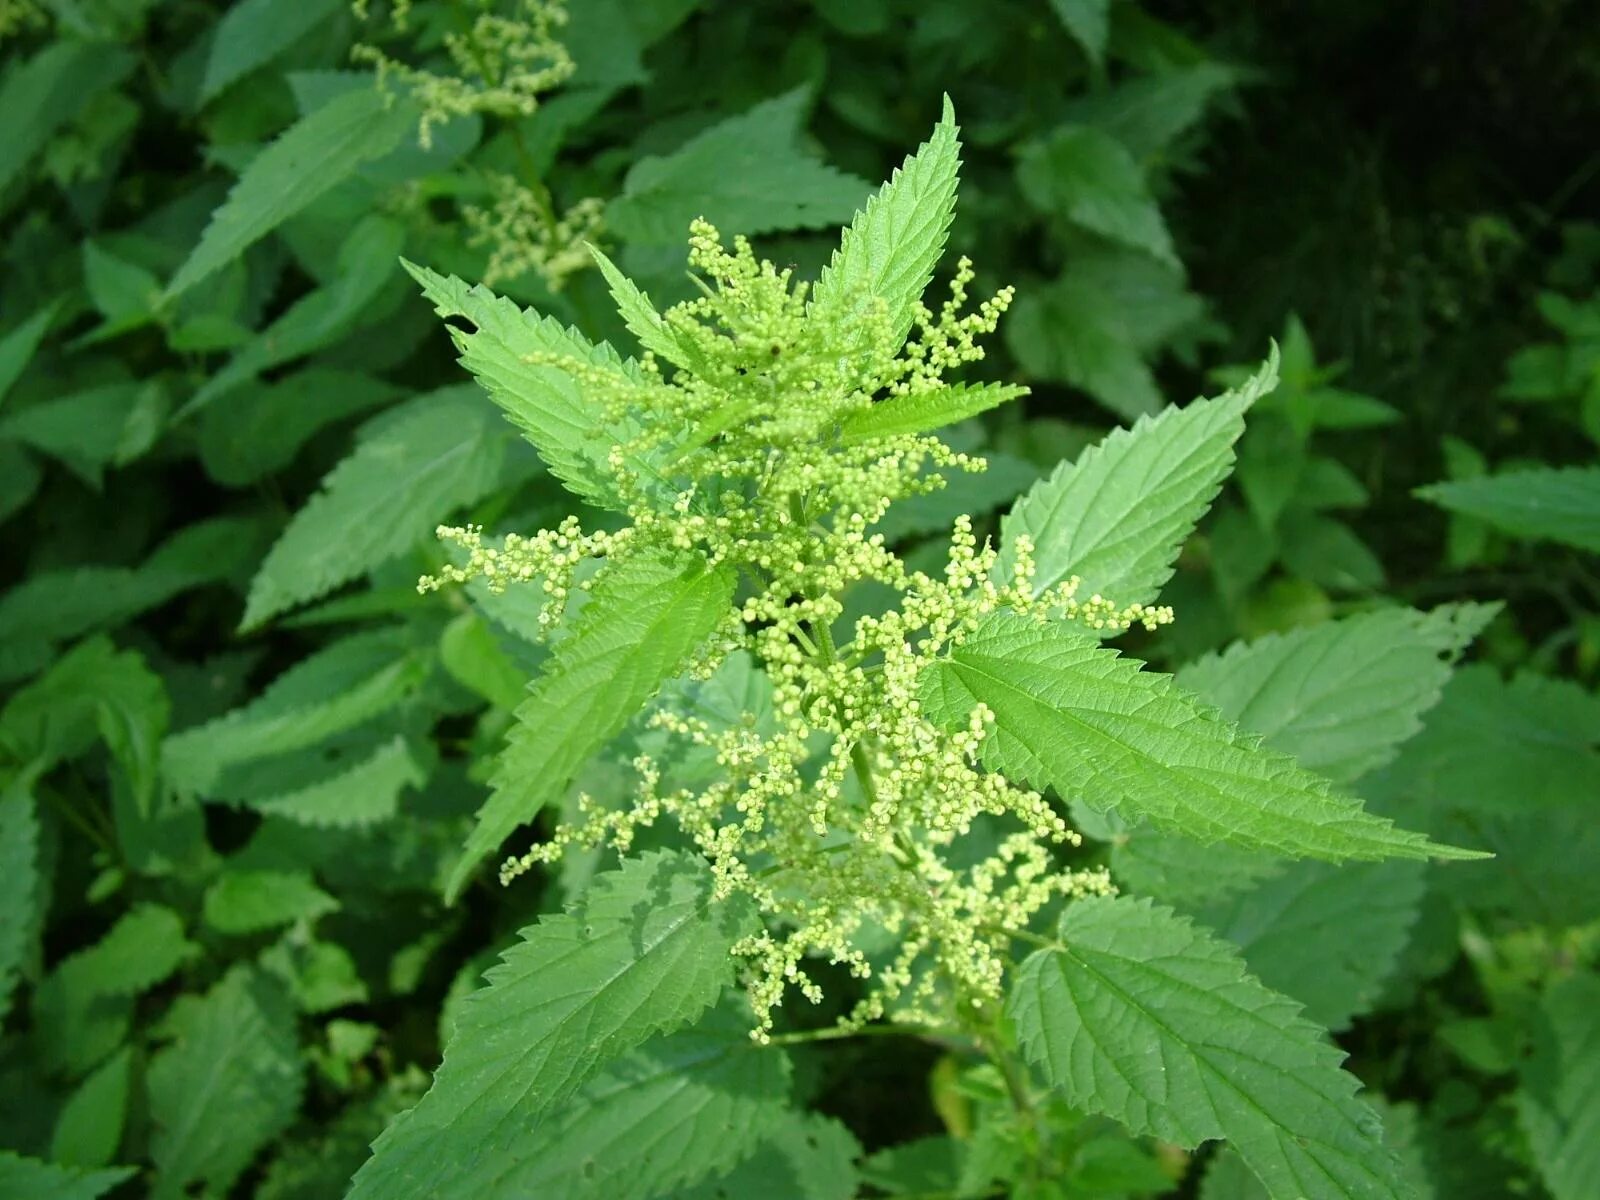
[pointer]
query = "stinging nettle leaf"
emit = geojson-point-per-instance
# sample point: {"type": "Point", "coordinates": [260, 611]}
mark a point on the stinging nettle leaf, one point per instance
{"type": "Point", "coordinates": [252, 33]}
{"type": "Point", "coordinates": [391, 492]}
{"type": "Point", "coordinates": [1561, 505]}
{"type": "Point", "coordinates": [680, 1109]}
{"type": "Point", "coordinates": [1088, 177]}
{"type": "Point", "coordinates": [889, 250]}
{"type": "Point", "coordinates": [644, 617]}
{"type": "Point", "coordinates": [505, 351]}
{"type": "Point", "coordinates": [747, 174]}
{"type": "Point", "coordinates": [312, 156]}
{"type": "Point", "coordinates": [1141, 1016]}
{"type": "Point", "coordinates": [228, 1084]}
{"type": "Point", "coordinates": [338, 688]}
{"type": "Point", "coordinates": [1075, 716]}
{"type": "Point", "coordinates": [1342, 696]}
{"type": "Point", "coordinates": [646, 952]}
{"type": "Point", "coordinates": [1117, 516]}
{"type": "Point", "coordinates": [923, 412]}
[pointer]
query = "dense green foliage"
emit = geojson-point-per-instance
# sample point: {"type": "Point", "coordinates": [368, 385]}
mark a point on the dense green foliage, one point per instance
{"type": "Point", "coordinates": [932, 763]}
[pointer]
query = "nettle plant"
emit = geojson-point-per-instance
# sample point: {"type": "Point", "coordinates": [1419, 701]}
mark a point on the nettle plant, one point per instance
{"type": "Point", "coordinates": [844, 763]}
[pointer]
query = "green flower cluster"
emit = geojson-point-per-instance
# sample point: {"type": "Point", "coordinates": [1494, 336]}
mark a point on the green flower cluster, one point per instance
{"type": "Point", "coordinates": [839, 816]}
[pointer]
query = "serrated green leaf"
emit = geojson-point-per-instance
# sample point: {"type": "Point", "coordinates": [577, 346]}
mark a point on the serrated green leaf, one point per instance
{"type": "Point", "coordinates": [1558, 1104]}
{"type": "Point", "coordinates": [1329, 936]}
{"type": "Point", "coordinates": [88, 431]}
{"type": "Point", "coordinates": [19, 882]}
{"type": "Point", "coordinates": [645, 616]}
{"type": "Point", "coordinates": [29, 1179]}
{"type": "Point", "coordinates": [1503, 748]}
{"type": "Point", "coordinates": [1075, 716]}
{"type": "Point", "coordinates": [1095, 326]}
{"type": "Point", "coordinates": [364, 794]}
{"type": "Point", "coordinates": [243, 902]}
{"type": "Point", "coordinates": [313, 155]}
{"type": "Point", "coordinates": [807, 1156]}
{"type": "Point", "coordinates": [254, 32]}
{"type": "Point", "coordinates": [1116, 517]}
{"type": "Point", "coordinates": [337, 688]}
{"type": "Point", "coordinates": [1557, 505]}
{"type": "Point", "coordinates": [473, 657]}
{"type": "Point", "coordinates": [142, 949]}
{"type": "Point", "coordinates": [263, 426]}
{"type": "Point", "coordinates": [646, 952]}
{"type": "Point", "coordinates": [442, 453]}
{"type": "Point", "coordinates": [57, 606]}
{"type": "Point", "coordinates": [89, 1127]}
{"type": "Point", "coordinates": [1142, 1017]}
{"type": "Point", "coordinates": [1079, 174]}
{"type": "Point", "coordinates": [642, 319]}
{"type": "Point", "coordinates": [1342, 696]}
{"type": "Point", "coordinates": [320, 976]}
{"type": "Point", "coordinates": [368, 259]}
{"type": "Point", "coordinates": [923, 412]}
{"type": "Point", "coordinates": [682, 1108]}
{"type": "Point", "coordinates": [746, 174]}
{"type": "Point", "coordinates": [890, 248]}
{"type": "Point", "coordinates": [228, 1084]}
{"type": "Point", "coordinates": [508, 350]}
{"type": "Point", "coordinates": [92, 690]}
{"type": "Point", "coordinates": [1149, 111]}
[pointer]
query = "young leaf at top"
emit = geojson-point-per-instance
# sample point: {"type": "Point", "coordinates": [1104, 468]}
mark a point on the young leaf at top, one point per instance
{"type": "Point", "coordinates": [1142, 1017]}
{"type": "Point", "coordinates": [646, 952]}
{"type": "Point", "coordinates": [1561, 505]}
{"type": "Point", "coordinates": [315, 154]}
{"type": "Point", "coordinates": [923, 412]}
{"type": "Point", "coordinates": [515, 354]}
{"type": "Point", "coordinates": [644, 617]}
{"type": "Point", "coordinates": [1077, 717]}
{"type": "Point", "coordinates": [889, 251]}
{"type": "Point", "coordinates": [1116, 517]}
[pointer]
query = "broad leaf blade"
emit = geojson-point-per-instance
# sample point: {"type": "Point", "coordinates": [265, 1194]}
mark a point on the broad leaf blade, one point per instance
{"type": "Point", "coordinates": [1116, 517]}
{"type": "Point", "coordinates": [680, 1109]}
{"type": "Point", "coordinates": [312, 156]}
{"type": "Point", "coordinates": [393, 490]}
{"type": "Point", "coordinates": [1142, 1017]}
{"type": "Point", "coordinates": [647, 952]}
{"type": "Point", "coordinates": [746, 174]}
{"type": "Point", "coordinates": [1559, 505]}
{"type": "Point", "coordinates": [645, 616]}
{"type": "Point", "coordinates": [1327, 935]}
{"type": "Point", "coordinates": [1342, 696]}
{"type": "Point", "coordinates": [890, 249]}
{"type": "Point", "coordinates": [1075, 716]}
{"type": "Point", "coordinates": [30, 1179]}
{"type": "Point", "coordinates": [229, 1083]}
